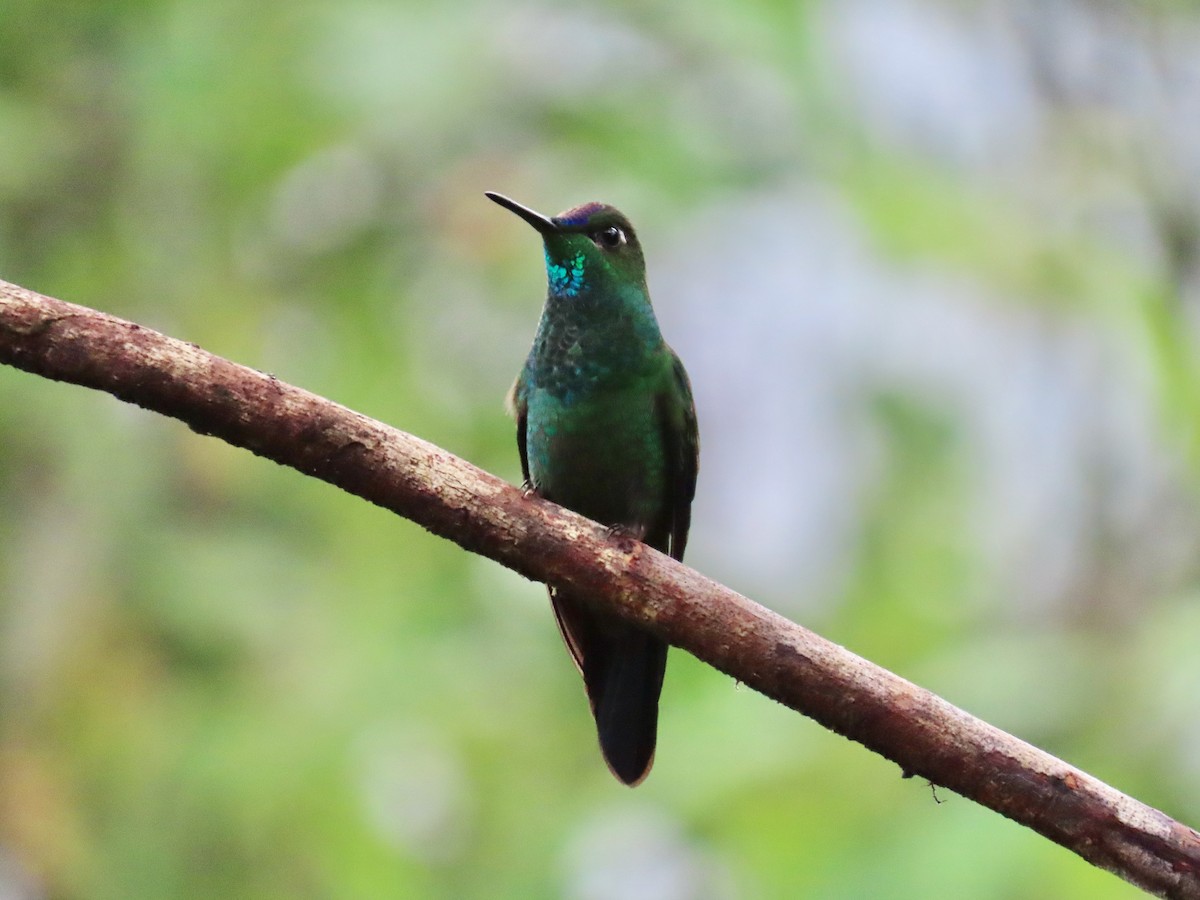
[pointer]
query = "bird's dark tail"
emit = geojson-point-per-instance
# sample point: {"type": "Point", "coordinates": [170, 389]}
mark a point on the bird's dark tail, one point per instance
{"type": "Point", "coordinates": [622, 669]}
{"type": "Point", "coordinates": [624, 696]}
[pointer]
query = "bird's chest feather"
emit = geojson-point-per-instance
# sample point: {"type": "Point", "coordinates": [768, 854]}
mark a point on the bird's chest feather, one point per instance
{"type": "Point", "coordinates": [600, 454]}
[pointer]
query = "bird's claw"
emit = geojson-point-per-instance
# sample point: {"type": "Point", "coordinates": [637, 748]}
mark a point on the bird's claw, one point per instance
{"type": "Point", "coordinates": [620, 532]}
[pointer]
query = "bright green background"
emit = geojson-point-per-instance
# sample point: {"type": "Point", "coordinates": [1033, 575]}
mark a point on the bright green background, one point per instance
{"type": "Point", "coordinates": [934, 268]}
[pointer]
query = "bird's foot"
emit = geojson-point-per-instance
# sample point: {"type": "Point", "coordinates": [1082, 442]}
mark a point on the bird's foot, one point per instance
{"type": "Point", "coordinates": [625, 536]}
{"type": "Point", "coordinates": [527, 489]}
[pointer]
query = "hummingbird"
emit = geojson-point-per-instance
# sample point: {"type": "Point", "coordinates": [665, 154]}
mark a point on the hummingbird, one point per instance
{"type": "Point", "coordinates": [606, 426]}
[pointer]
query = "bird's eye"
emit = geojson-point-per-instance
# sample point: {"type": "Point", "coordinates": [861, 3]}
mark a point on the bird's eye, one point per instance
{"type": "Point", "coordinates": [610, 237]}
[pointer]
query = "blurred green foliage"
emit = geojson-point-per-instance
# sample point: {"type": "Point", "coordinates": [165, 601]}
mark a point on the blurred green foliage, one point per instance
{"type": "Point", "coordinates": [976, 239]}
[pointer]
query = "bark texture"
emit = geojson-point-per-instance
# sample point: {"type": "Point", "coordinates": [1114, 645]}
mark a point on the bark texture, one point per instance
{"type": "Point", "coordinates": [920, 732]}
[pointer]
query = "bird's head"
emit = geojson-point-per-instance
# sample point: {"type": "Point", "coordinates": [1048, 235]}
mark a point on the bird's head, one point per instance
{"type": "Point", "coordinates": [587, 247]}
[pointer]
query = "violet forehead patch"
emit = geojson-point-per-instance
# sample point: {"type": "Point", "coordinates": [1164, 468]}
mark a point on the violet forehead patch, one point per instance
{"type": "Point", "coordinates": [578, 215]}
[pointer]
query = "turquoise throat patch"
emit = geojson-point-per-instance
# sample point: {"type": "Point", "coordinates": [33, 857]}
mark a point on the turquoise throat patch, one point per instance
{"type": "Point", "coordinates": [564, 281]}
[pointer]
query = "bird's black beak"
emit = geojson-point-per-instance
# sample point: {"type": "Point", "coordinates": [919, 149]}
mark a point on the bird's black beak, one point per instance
{"type": "Point", "coordinates": [543, 224]}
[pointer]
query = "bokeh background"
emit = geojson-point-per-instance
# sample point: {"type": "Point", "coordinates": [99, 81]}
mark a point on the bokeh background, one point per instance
{"type": "Point", "coordinates": [934, 268]}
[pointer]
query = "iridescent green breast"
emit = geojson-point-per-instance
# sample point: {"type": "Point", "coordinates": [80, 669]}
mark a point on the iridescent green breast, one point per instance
{"type": "Point", "coordinates": [601, 455]}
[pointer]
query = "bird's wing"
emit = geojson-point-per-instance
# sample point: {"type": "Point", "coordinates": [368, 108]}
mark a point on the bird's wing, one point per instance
{"type": "Point", "coordinates": [678, 412]}
{"type": "Point", "coordinates": [518, 407]}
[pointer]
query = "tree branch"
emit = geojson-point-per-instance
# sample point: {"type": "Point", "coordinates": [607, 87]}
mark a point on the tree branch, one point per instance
{"type": "Point", "coordinates": [914, 728]}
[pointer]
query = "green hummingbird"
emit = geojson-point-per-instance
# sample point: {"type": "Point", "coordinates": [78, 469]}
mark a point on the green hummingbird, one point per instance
{"type": "Point", "coordinates": [606, 426]}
